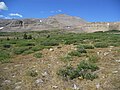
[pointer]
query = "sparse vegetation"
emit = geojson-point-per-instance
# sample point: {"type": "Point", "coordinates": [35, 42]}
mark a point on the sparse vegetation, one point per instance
{"type": "Point", "coordinates": [101, 45]}
{"type": "Point", "coordinates": [93, 58]}
{"type": "Point", "coordinates": [86, 46]}
{"type": "Point", "coordinates": [38, 55]}
{"type": "Point", "coordinates": [4, 57]}
{"type": "Point", "coordinates": [84, 69]}
{"type": "Point", "coordinates": [75, 53]}
{"type": "Point", "coordinates": [64, 58]}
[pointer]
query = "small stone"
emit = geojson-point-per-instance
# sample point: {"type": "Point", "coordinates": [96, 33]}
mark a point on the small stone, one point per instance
{"type": "Point", "coordinates": [98, 53]}
{"type": "Point", "coordinates": [80, 78]}
{"type": "Point", "coordinates": [44, 74]}
{"type": "Point", "coordinates": [106, 53]}
{"type": "Point", "coordinates": [75, 87]}
{"type": "Point", "coordinates": [114, 72]}
{"type": "Point", "coordinates": [51, 49]}
{"type": "Point", "coordinates": [18, 83]}
{"type": "Point", "coordinates": [54, 87]}
{"type": "Point", "coordinates": [6, 82]}
{"type": "Point", "coordinates": [111, 46]}
{"type": "Point", "coordinates": [17, 87]}
{"type": "Point", "coordinates": [6, 68]}
{"type": "Point", "coordinates": [17, 65]}
{"type": "Point", "coordinates": [118, 61]}
{"type": "Point", "coordinates": [39, 81]}
{"type": "Point", "coordinates": [98, 86]}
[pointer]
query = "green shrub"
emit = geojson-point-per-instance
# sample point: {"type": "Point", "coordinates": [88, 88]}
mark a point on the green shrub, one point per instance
{"type": "Point", "coordinates": [75, 53]}
{"type": "Point", "coordinates": [84, 69]}
{"type": "Point", "coordinates": [25, 36]}
{"type": "Point", "coordinates": [101, 45]}
{"type": "Point", "coordinates": [38, 55]}
{"type": "Point", "coordinates": [87, 65]}
{"type": "Point", "coordinates": [68, 42]}
{"type": "Point", "coordinates": [20, 50]}
{"type": "Point", "coordinates": [6, 45]}
{"type": "Point", "coordinates": [81, 50]}
{"type": "Point", "coordinates": [29, 37]}
{"type": "Point", "coordinates": [24, 43]}
{"type": "Point", "coordinates": [4, 56]}
{"type": "Point", "coordinates": [93, 58]}
{"type": "Point", "coordinates": [28, 52]}
{"type": "Point", "coordinates": [37, 48]}
{"type": "Point", "coordinates": [90, 76]}
{"type": "Point", "coordinates": [66, 58]}
{"type": "Point", "coordinates": [50, 43]}
{"type": "Point", "coordinates": [32, 73]}
{"type": "Point", "coordinates": [86, 46]}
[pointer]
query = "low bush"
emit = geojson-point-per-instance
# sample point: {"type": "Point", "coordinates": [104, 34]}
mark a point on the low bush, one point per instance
{"type": "Point", "coordinates": [86, 46]}
{"type": "Point", "coordinates": [75, 53]}
{"type": "Point", "coordinates": [84, 69]}
{"type": "Point", "coordinates": [38, 55]}
{"type": "Point", "coordinates": [32, 73]}
{"type": "Point", "coordinates": [93, 58]}
{"type": "Point", "coordinates": [66, 58]}
{"type": "Point", "coordinates": [28, 52]}
{"type": "Point", "coordinates": [6, 45]}
{"type": "Point", "coordinates": [4, 56]}
{"type": "Point", "coordinates": [24, 43]}
{"type": "Point", "coordinates": [81, 50]}
{"type": "Point", "coordinates": [50, 43]}
{"type": "Point", "coordinates": [87, 65]}
{"type": "Point", "coordinates": [101, 45]}
{"type": "Point", "coordinates": [20, 50]}
{"type": "Point", "coordinates": [37, 48]}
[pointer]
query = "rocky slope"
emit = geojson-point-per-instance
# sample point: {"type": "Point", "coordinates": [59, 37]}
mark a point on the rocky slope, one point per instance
{"type": "Point", "coordinates": [61, 21]}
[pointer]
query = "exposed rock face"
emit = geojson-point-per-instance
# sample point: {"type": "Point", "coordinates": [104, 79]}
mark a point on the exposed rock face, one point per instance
{"type": "Point", "coordinates": [61, 21]}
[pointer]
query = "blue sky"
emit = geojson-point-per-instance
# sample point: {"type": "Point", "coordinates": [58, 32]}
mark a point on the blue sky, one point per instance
{"type": "Point", "coordinates": [90, 10]}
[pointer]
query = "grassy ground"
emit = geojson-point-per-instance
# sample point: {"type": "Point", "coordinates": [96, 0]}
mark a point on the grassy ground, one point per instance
{"type": "Point", "coordinates": [59, 60]}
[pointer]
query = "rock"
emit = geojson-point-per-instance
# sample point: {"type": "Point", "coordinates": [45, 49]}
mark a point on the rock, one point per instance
{"type": "Point", "coordinates": [98, 53]}
{"type": "Point", "coordinates": [118, 61]}
{"type": "Point", "coordinates": [106, 53]}
{"type": "Point", "coordinates": [44, 74]}
{"type": "Point", "coordinates": [54, 87]}
{"type": "Point", "coordinates": [97, 86]}
{"type": "Point", "coordinates": [51, 49]}
{"type": "Point", "coordinates": [6, 68]}
{"type": "Point", "coordinates": [18, 87]}
{"type": "Point", "coordinates": [17, 83]}
{"type": "Point", "coordinates": [39, 81]}
{"type": "Point", "coordinates": [75, 87]}
{"type": "Point", "coordinates": [114, 72]}
{"type": "Point", "coordinates": [6, 82]}
{"type": "Point", "coordinates": [111, 46]}
{"type": "Point", "coordinates": [80, 78]}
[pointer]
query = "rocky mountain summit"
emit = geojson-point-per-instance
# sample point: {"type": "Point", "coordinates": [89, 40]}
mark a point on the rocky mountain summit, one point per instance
{"type": "Point", "coordinates": [61, 21]}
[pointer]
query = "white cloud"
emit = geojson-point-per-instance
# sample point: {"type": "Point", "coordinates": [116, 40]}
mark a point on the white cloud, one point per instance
{"type": "Point", "coordinates": [3, 6]}
{"type": "Point", "coordinates": [1, 16]}
{"type": "Point", "coordinates": [57, 11]}
{"type": "Point", "coordinates": [15, 14]}
{"type": "Point", "coordinates": [7, 17]}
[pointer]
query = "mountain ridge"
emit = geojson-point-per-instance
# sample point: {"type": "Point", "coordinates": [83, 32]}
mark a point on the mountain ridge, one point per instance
{"type": "Point", "coordinates": [59, 21]}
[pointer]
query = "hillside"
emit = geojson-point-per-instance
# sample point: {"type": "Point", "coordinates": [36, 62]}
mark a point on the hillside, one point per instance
{"type": "Point", "coordinates": [57, 60]}
{"type": "Point", "coordinates": [61, 21]}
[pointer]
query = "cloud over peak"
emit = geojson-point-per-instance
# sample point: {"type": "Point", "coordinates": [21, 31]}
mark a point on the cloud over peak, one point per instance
{"type": "Point", "coordinates": [3, 6]}
{"type": "Point", "coordinates": [16, 15]}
